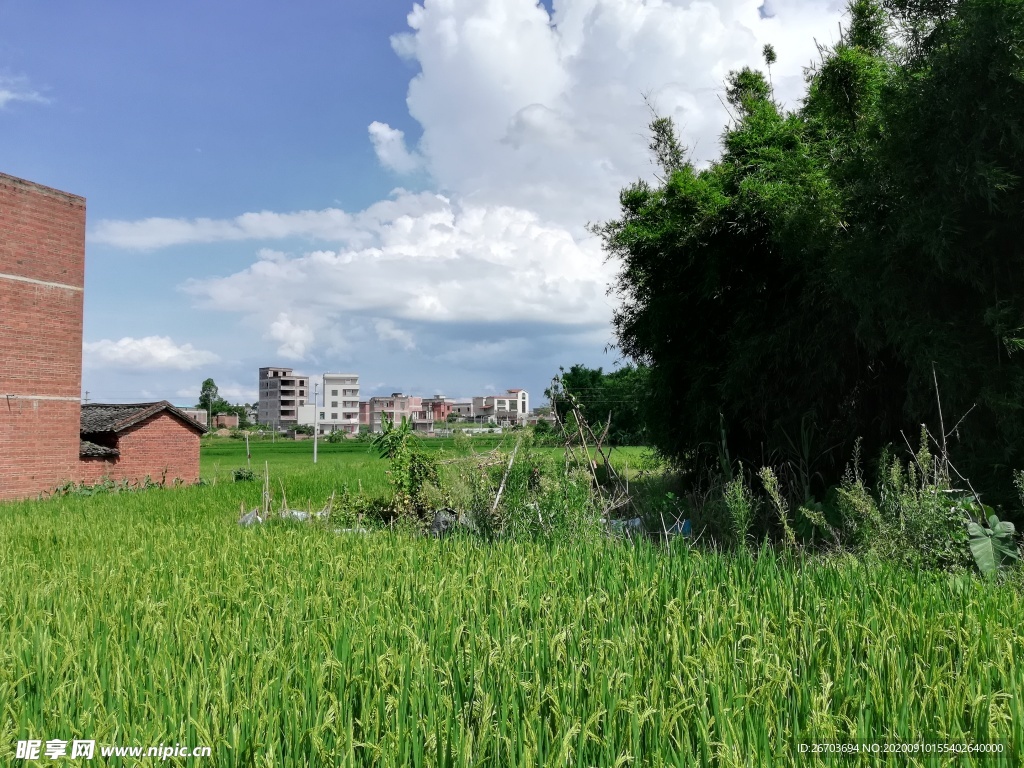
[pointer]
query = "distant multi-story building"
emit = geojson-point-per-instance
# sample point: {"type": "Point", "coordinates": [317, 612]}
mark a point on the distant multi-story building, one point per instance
{"type": "Point", "coordinates": [397, 406]}
{"type": "Point", "coordinates": [511, 408]}
{"type": "Point", "coordinates": [282, 392]}
{"type": "Point", "coordinates": [437, 408]}
{"type": "Point", "coordinates": [339, 410]}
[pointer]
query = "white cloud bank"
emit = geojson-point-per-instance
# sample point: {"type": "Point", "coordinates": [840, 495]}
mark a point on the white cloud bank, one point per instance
{"type": "Point", "coordinates": [148, 353]}
{"type": "Point", "coordinates": [531, 124]}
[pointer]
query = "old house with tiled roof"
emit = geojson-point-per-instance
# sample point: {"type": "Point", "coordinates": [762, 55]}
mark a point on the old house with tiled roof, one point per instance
{"type": "Point", "coordinates": [134, 441]}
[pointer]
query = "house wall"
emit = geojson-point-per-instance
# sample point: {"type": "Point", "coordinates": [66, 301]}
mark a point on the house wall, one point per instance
{"type": "Point", "coordinates": [42, 271]}
{"type": "Point", "coordinates": [161, 447]}
{"type": "Point", "coordinates": [228, 420]}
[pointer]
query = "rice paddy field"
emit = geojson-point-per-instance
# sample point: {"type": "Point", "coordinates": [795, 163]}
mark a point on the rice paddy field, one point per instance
{"type": "Point", "coordinates": [153, 618]}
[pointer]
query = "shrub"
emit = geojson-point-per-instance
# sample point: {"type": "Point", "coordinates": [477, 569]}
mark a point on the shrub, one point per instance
{"type": "Point", "coordinates": [916, 518]}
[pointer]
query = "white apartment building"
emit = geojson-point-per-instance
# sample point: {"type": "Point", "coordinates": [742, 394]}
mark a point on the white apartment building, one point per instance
{"type": "Point", "coordinates": [282, 393]}
{"type": "Point", "coordinates": [339, 408]}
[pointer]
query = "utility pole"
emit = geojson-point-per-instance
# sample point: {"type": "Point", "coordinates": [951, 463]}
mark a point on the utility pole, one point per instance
{"type": "Point", "coordinates": [316, 407]}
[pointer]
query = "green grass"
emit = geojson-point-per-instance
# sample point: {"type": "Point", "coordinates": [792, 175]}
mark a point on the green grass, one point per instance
{"type": "Point", "coordinates": [151, 617]}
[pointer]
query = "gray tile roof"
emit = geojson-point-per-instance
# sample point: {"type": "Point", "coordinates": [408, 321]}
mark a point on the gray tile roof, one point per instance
{"type": "Point", "coordinates": [117, 417]}
{"type": "Point", "coordinates": [89, 450]}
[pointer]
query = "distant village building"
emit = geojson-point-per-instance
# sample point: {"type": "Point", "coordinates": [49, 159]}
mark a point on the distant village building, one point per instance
{"type": "Point", "coordinates": [220, 420]}
{"type": "Point", "coordinates": [427, 414]}
{"type": "Point", "coordinates": [437, 408]}
{"type": "Point", "coordinates": [47, 438]}
{"type": "Point", "coordinates": [225, 421]}
{"type": "Point", "coordinates": [396, 407]}
{"type": "Point", "coordinates": [282, 393]}
{"type": "Point", "coordinates": [339, 411]}
{"type": "Point", "coordinates": [198, 415]}
{"type": "Point", "coordinates": [509, 409]}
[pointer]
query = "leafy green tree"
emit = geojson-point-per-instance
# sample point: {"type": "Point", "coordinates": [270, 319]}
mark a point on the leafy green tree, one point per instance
{"type": "Point", "coordinates": [801, 290]}
{"type": "Point", "coordinates": [620, 395]}
{"type": "Point", "coordinates": [211, 402]}
{"type": "Point", "coordinates": [208, 395]}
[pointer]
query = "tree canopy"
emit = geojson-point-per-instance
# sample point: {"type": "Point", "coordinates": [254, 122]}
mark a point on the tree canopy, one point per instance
{"type": "Point", "coordinates": [619, 395]}
{"type": "Point", "coordinates": [211, 402]}
{"type": "Point", "coordinates": [800, 291]}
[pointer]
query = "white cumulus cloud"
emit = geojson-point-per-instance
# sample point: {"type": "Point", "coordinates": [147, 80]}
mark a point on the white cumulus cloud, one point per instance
{"type": "Point", "coordinates": [146, 353]}
{"type": "Point", "coordinates": [296, 337]}
{"type": "Point", "coordinates": [389, 144]}
{"type": "Point", "coordinates": [438, 264]}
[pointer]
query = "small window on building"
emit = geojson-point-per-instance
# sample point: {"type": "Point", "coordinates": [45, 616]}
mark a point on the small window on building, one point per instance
{"type": "Point", "coordinates": [334, 417]}
{"type": "Point", "coordinates": [334, 393]}
{"type": "Point", "coordinates": [334, 404]}
{"type": "Point", "coordinates": [323, 415]}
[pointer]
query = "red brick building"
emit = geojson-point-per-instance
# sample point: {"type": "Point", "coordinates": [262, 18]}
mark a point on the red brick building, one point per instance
{"type": "Point", "coordinates": [139, 440]}
{"type": "Point", "coordinates": [42, 276]}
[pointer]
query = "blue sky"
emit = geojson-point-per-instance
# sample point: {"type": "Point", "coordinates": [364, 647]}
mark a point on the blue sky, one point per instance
{"type": "Point", "coordinates": [392, 189]}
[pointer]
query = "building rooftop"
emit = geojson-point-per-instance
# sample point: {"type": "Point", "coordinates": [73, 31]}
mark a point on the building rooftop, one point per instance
{"type": "Point", "coordinates": [116, 417]}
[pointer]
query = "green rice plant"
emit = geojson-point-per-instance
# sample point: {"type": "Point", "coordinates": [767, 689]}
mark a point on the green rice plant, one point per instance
{"type": "Point", "coordinates": [152, 618]}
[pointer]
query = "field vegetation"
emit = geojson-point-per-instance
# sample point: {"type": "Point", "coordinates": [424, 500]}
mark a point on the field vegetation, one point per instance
{"type": "Point", "coordinates": [151, 617]}
{"type": "Point", "coordinates": [533, 638]}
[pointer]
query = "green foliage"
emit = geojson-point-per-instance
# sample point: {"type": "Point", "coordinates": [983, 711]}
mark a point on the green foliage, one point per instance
{"type": "Point", "coordinates": [211, 402]}
{"type": "Point", "coordinates": [411, 467]}
{"type": "Point", "coordinates": [771, 487]}
{"type": "Point", "coordinates": [915, 518]}
{"type": "Point", "coordinates": [665, 146]}
{"type": "Point", "coordinates": [741, 505]}
{"type": "Point", "coordinates": [105, 486]}
{"type": "Point", "coordinates": [208, 395]}
{"type": "Point", "coordinates": [622, 395]}
{"type": "Point", "coordinates": [833, 258]}
{"type": "Point", "coordinates": [243, 475]}
{"type": "Point", "coordinates": [993, 547]}
{"type": "Point", "coordinates": [543, 428]}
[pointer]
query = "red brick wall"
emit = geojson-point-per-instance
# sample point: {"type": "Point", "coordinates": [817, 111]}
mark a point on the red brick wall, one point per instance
{"type": "Point", "coordinates": [42, 240]}
{"type": "Point", "coordinates": [161, 447]}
